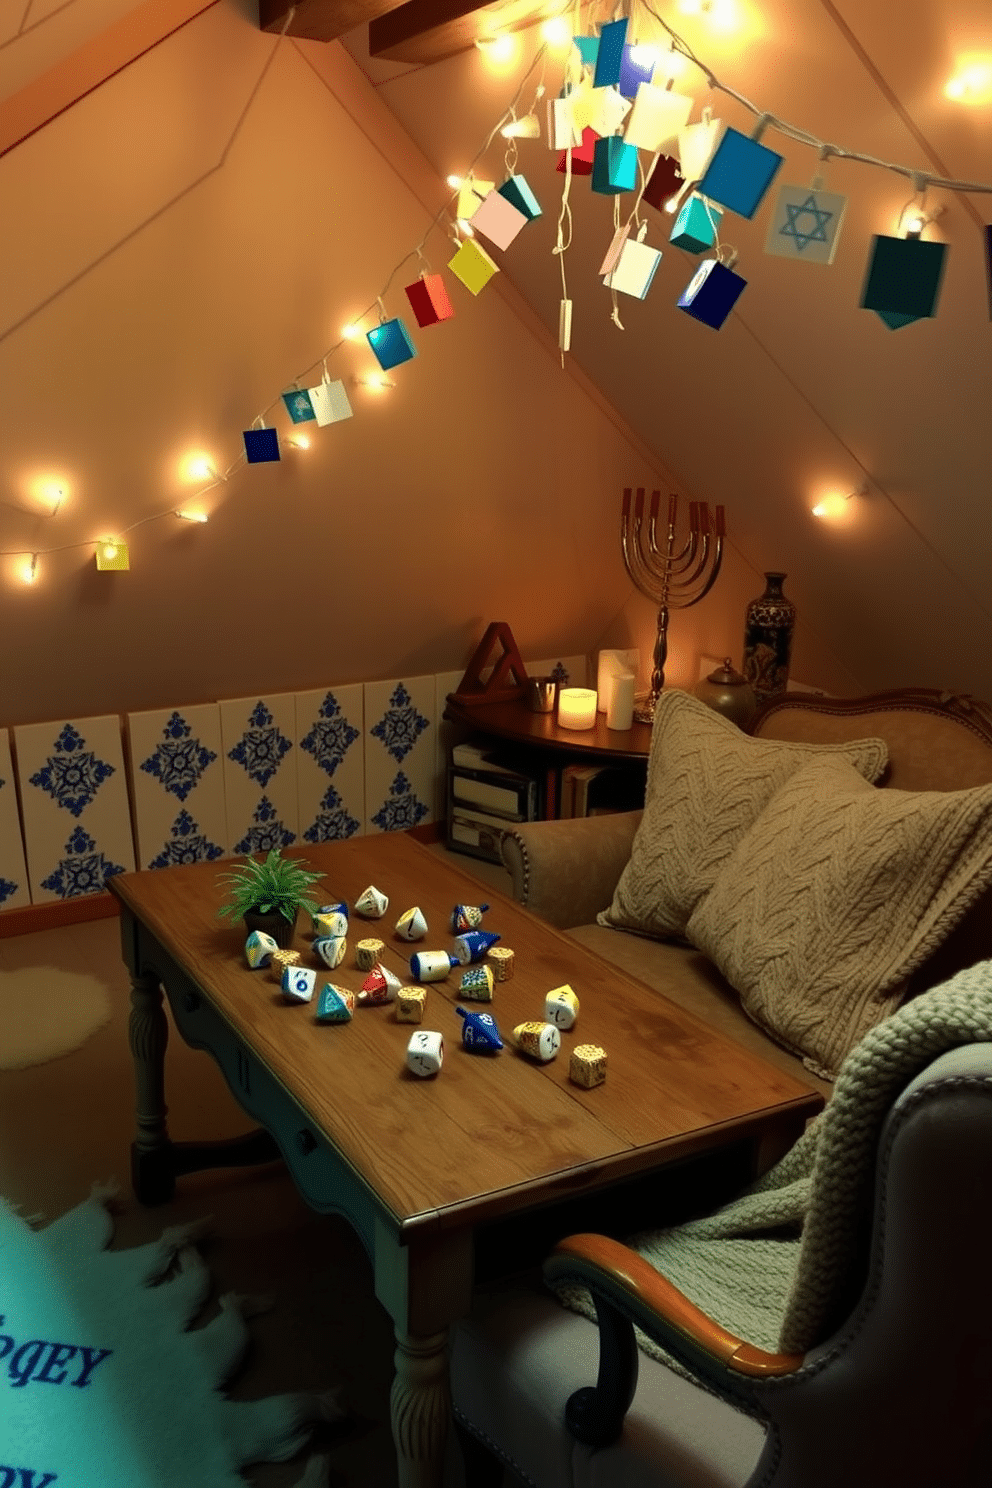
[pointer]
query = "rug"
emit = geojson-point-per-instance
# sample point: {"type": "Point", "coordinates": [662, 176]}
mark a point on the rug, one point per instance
{"type": "Point", "coordinates": [45, 1012]}
{"type": "Point", "coordinates": [102, 1381]}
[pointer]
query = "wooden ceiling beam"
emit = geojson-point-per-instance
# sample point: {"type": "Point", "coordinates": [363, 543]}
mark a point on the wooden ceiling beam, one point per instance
{"type": "Point", "coordinates": [429, 30]}
{"type": "Point", "coordinates": [320, 20]}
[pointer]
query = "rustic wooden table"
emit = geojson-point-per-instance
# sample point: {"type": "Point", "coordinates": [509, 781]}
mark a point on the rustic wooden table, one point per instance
{"type": "Point", "coordinates": [415, 1165]}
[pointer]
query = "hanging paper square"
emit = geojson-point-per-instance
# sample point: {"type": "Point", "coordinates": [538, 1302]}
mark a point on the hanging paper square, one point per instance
{"type": "Point", "coordinates": [740, 172]}
{"type": "Point", "coordinates": [391, 344]}
{"type": "Point", "coordinates": [609, 54]}
{"type": "Point", "coordinates": [712, 293]}
{"type": "Point", "coordinates": [473, 266]}
{"type": "Point", "coordinates": [664, 182]}
{"type": "Point", "coordinates": [614, 166]}
{"type": "Point", "coordinates": [805, 224]}
{"type": "Point", "coordinates": [613, 252]}
{"type": "Point", "coordinates": [697, 143]}
{"type": "Point", "coordinates": [330, 402]}
{"type": "Point", "coordinates": [471, 195]}
{"type": "Point", "coordinates": [261, 445]}
{"type": "Point", "coordinates": [298, 406]}
{"type": "Point", "coordinates": [562, 129]}
{"type": "Point", "coordinates": [112, 557]}
{"type": "Point", "coordinates": [582, 155]}
{"type": "Point", "coordinates": [634, 71]}
{"type": "Point", "coordinates": [584, 106]}
{"type": "Point", "coordinates": [656, 118]}
{"type": "Point", "coordinates": [498, 220]}
{"type": "Point", "coordinates": [635, 269]}
{"type": "Point", "coordinates": [696, 225]}
{"type": "Point", "coordinates": [588, 48]}
{"type": "Point", "coordinates": [519, 194]}
{"type": "Point", "coordinates": [903, 278]}
{"type": "Point", "coordinates": [610, 111]}
{"type": "Point", "coordinates": [429, 300]}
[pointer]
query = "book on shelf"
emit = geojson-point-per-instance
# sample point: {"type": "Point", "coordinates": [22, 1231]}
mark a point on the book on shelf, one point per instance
{"type": "Point", "coordinates": [476, 833]}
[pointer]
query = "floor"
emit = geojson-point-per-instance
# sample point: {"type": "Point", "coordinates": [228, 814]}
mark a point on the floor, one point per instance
{"type": "Point", "coordinates": [69, 1122]}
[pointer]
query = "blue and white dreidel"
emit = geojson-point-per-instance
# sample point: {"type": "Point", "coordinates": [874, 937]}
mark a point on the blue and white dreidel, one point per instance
{"type": "Point", "coordinates": [259, 948]}
{"type": "Point", "coordinates": [332, 919]}
{"type": "Point", "coordinates": [425, 1052]}
{"type": "Point", "coordinates": [371, 903]}
{"type": "Point", "coordinates": [477, 983]}
{"type": "Point", "coordinates": [298, 983]}
{"type": "Point", "coordinates": [431, 966]}
{"type": "Point", "coordinates": [473, 945]}
{"type": "Point", "coordinates": [467, 917]}
{"type": "Point", "coordinates": [331, 949]}
{"type": "Point", "coordinates": [561, 1007]}
{"type": "Point", "coordinates": [479, 1032]}
{"type": "Point", "coordinates": [334, 1004]}
{"type": "Point", "coordinates": [411, 924]}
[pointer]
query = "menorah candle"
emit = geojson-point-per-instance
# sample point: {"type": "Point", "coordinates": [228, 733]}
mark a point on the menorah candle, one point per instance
{"type": "Point", "coordinates": [577, 708]}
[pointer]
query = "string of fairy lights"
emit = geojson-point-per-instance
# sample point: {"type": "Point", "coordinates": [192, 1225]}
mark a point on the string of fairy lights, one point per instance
{"type": "Point", "coordinates": [624, 75]}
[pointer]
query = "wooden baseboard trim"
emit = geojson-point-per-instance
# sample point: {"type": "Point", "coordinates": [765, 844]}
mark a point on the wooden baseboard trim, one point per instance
{"type": "Point", "coordinates": [54, 916]}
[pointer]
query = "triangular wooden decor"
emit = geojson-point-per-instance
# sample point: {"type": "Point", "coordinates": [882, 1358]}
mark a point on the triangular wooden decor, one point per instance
{"type": "Point", "coordinates": [508, 678]}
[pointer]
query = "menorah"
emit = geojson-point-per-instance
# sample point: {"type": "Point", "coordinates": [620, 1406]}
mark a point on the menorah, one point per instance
{"type": "Point", "coordinates": [674, 578]}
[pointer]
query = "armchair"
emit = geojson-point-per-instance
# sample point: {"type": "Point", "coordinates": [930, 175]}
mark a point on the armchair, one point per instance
{"type": "Point", "coordinates": [886, 1379]}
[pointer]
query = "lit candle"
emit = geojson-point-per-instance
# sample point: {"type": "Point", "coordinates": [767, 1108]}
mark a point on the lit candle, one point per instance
{"type": "Point", "coordinates": [620, 713]}
{"type": "Point", "coordinates": [577, 707]}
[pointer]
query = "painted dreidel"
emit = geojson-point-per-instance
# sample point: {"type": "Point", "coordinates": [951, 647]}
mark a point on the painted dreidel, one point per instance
{"type": "Point", "coordinates": [299, 983]}
{"type": "Point", "coordinates": [614, 166]}
{"type": "Point", "coordinates": [430, 304]}
{"type": "Point", "coordinates": [368, 953]}
{"type": "Point", "coordinates": [411, 924]}
{"type": "Point", "coordinates": [431, 966]}
{"type": "Point", "coordinates": [258, 949]}
{"type": "Point", "coordinates": [712, 293]}
{"type": "Point", "coordinates": [587, 1065]}
{"type": "Point", "coordinates": [410, 1004]}
{"type": "Point", "coordinates": [474, 944]}
{"type": "Point", "coordinates": [391, 344]}
{"type": "Point", "coordinates": [540, 1041]}
{"type": "Point", "coordinates": [335, 1004]}
{"type": "Point", "coordinates": [379, 987]}
{"type": "Point", "coordinates": [278, 962]}
{"type": "Point", "coordinates": [477, 983]}
{"type": "Point", "coordinates": [371, 903]}
{"type": "Point", "coordinates": [696, 224]}
{"type": "Point", "coordinates": [561, 1007]}
{"type": "Point", "coordinates": [479, 1032]}
{"type": "Point", "coordinates": [425, 1052]}
{"type": "Point", "coordinates": [502, 961]}
{"type": "Point", "coordinates": [902, 280]}
{"type": "Point", "coordinates": [331, 949]}
{"type": "Point", "coordinates": [467, 917]}
{"type": "Point", "coordinates": [331, 920]}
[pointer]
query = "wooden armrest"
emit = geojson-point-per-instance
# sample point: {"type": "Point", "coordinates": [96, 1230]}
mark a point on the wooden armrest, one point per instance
{"type": "Point", "coordinates": [593, 1259]}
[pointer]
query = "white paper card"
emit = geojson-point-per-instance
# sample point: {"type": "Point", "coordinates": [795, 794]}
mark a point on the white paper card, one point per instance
{"type": "Point", "coordinates": [657, 117]}
{"type": "Point", "coordinates": [805, 224]}
{"type": "Point", "coordinates": [499, 220]}
{"type": "Point", "coordinates": [330, 402]}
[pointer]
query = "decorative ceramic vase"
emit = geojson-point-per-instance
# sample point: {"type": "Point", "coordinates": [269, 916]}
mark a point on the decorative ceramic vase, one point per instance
{"type": "Point", "coordinates": [768, 625]}
{"type": "Point", "coordinates": [727, 692]}
{"type": "Point", "coordinates": [274, 924]}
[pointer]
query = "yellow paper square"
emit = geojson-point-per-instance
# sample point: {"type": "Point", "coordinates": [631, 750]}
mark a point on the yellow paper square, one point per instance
{"type": "Point", "coordinates": [473, 266]}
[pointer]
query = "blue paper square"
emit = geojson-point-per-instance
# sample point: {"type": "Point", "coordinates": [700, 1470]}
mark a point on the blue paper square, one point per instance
{"type": "Point", "coordinates": [588, 49]}
{"type": "Point", "coordinates": [609, 57]}
{"type": "Point", "coordinates": [740, 173]}
{"type": "Point", "coordinates": [695, 226]}
{"type": "Point", "coordinates": [261, 445]}
{"type": "Point", "coordinates": [298, 406]}
{"type": "Point", "coordinates": [711, 293]}
{"type": "Point", "coordinates": [633, 74]}
{"type": "Point", "coordinates": [391, 344]}
{"type": "Point", "coordinates": [903, 278]}
{"type": "Point", "coordinates": [614, 166]}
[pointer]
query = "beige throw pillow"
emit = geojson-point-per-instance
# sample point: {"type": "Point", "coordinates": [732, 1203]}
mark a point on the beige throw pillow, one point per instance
{"type": "Point", "coordinates": [834, 896]}
{"type": "Point", "coordinates": [707, 783]}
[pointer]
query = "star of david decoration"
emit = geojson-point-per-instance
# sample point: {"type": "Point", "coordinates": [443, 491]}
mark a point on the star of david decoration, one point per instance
{"type": "Point", "coordinates": [266, 831]}
{"type": "Point", "coordinates": [402, 809]}
{"type": "Point", "coordinates": [400, 728]}
{"type": "Point", "coordinates": [83, 870]}
{"type": "Point", "coordinates": [333, 822]}
{"type": "Point", "coordinates": [188, 845]}
{"type": "Point", "coordinates": [72, 775]}
{"type": "Point", "coordinates": [261, 747]}
{"type": "Point", "coordinates": [179, 760]}
{"type": "Point", "coordinates": [805, 223]}
{"type": "Point", "coordinates": [331, 736]}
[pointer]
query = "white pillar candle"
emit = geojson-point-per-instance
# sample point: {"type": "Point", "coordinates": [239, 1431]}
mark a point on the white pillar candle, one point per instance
{"type": "Point", "coordinates": [610, 665]}
{"type": "Point", "coordinates": [577, 707]}
{"type": "Point", "coordinates": [620, 714]}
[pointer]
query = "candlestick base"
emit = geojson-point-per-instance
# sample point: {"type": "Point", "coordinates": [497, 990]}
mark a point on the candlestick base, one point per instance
{"type": "Point", "coordinates": [644, 706]}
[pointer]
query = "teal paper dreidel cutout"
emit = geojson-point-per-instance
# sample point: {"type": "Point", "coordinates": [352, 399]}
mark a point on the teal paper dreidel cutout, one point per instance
{"type": "Point", "coordinates": [298, 406]}
{"type": "Point", "coordinates": [903, 279]}
{"type": "Point", "coordinates": [739, 173]}
{"type": "Point", "coordinates": [519, 195]}
{"type": "Point", "coordinates": [696, 225]}
{"type": "Point", "coordinates": [588, 49]}
{"type": "Point", "coordinates": [391, 344]}
{"type": "Point", "coordinates": [614, 166]}
{"type": "Point", "coordinates": [609, 54]}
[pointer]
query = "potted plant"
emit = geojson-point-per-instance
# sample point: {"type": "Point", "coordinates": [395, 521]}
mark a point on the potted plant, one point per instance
{"type": "Point", "coordinates": [268, 894]}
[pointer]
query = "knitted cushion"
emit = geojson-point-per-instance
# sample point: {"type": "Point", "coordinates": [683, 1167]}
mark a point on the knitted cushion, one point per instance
{"type": "Point", "coordinates": [834, 896]}
{"type": "Point", "coordinates": [707, 783]}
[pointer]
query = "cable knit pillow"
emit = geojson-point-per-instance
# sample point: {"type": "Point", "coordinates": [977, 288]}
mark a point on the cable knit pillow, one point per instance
{"type": "Point", "coordinates": [707, 783]}
{"type": "Point", "coordinates": [834, 896]}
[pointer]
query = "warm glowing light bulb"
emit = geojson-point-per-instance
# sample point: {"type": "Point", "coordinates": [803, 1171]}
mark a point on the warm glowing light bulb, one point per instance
{"type": "Point", "coordinates": [465, 228]}
{"type": "Point", "coordinates": [526, 128]}
{"type": "Point", "coordinates": [455, 182]}
{"type": "Point", "coordinates": [556, 32]}
{"type": "Point", "coordinates": [109, 550]}
{"type": "Point", "coordinates": [973, 84]}
{"type": "Point", "coordinates": [299, 441]}
{"type": "Point", "coordinates": [914, 224]}
{"type": "Point", "coordinates": [497, 48]}
{"type": "Point", "coordinates": [199, 467]}
{"type": "Point", "coordinates": [29, 572]}
{"type": "Point", "coordinates": [192, 516]}
{"type": "Point", "coordinates": [830, 507]}
{"type": "Point", "coordinates": [379, 381]}
{"type": "Point", "coordinates": [351, 332]}
{"type": "Point", "coordinates": [644, 56]}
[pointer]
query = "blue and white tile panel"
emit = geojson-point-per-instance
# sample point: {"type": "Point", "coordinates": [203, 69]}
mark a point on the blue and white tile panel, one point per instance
{"type": "Point", "coordinates": [14, 891]}
{"type": "Point", "coordinates": [177, 783]}
{"type": "Point", "coordinates": [330, 763]}
{"type": "Point", "coordinates": [258, 743]}
{"type": "Point", "coordinates": [74, 804]}
{"type": "Point", "coordinates": [400, 760]}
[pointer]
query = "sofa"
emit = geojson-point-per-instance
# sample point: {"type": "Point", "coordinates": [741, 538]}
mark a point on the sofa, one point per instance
{"type": "Point", "coordinates": [792, 885]}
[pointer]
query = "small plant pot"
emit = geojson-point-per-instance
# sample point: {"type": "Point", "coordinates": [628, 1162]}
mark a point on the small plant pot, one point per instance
{"type": "Point", "coordinates": [274, 924]}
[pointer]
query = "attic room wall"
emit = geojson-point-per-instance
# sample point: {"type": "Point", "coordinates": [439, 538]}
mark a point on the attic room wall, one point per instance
{"type": "Point", "coordinates": [189, 238]}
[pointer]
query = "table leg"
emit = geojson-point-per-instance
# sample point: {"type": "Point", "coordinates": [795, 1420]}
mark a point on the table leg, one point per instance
{"type": "Point", "coordinates": [152, 1175]}
{"type": "Point", "coordinates": [420, 1406]}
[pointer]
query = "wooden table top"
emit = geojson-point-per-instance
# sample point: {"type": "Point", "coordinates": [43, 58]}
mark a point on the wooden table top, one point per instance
{"type": "Point", "coordinates": [489, 1134]}
{"type": "Point", "coordinates": [515, 720]}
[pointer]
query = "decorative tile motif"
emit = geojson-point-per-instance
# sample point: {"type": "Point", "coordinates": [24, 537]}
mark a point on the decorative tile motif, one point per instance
{"type": "Point", "coordinates": [400, 728]}
{"type": "Point", "coordinates": [266, 831]}
{"type": "Point", "coordinates": [261, 747]}
{"type": "Point", "coordinates": [333, 822]}
{"type": "Point", "coordinates": [402, 809]}
{"type": "Point", "coordinates": [83, 870]}
{"type": "Point", "coordinates": [72, 774]}
{"type": "Point", "coordinates": [331, 735]}
{"type": "Point", "coordinates": [180, 760]}
{"type": "Point", "coordinates": [14, 891]}
{"type": "Point", "coordinates": [188, 845]}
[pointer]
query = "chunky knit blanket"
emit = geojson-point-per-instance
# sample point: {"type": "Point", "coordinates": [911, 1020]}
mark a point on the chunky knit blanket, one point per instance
{"type": "Point", "coordinates": [774, 1265]}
